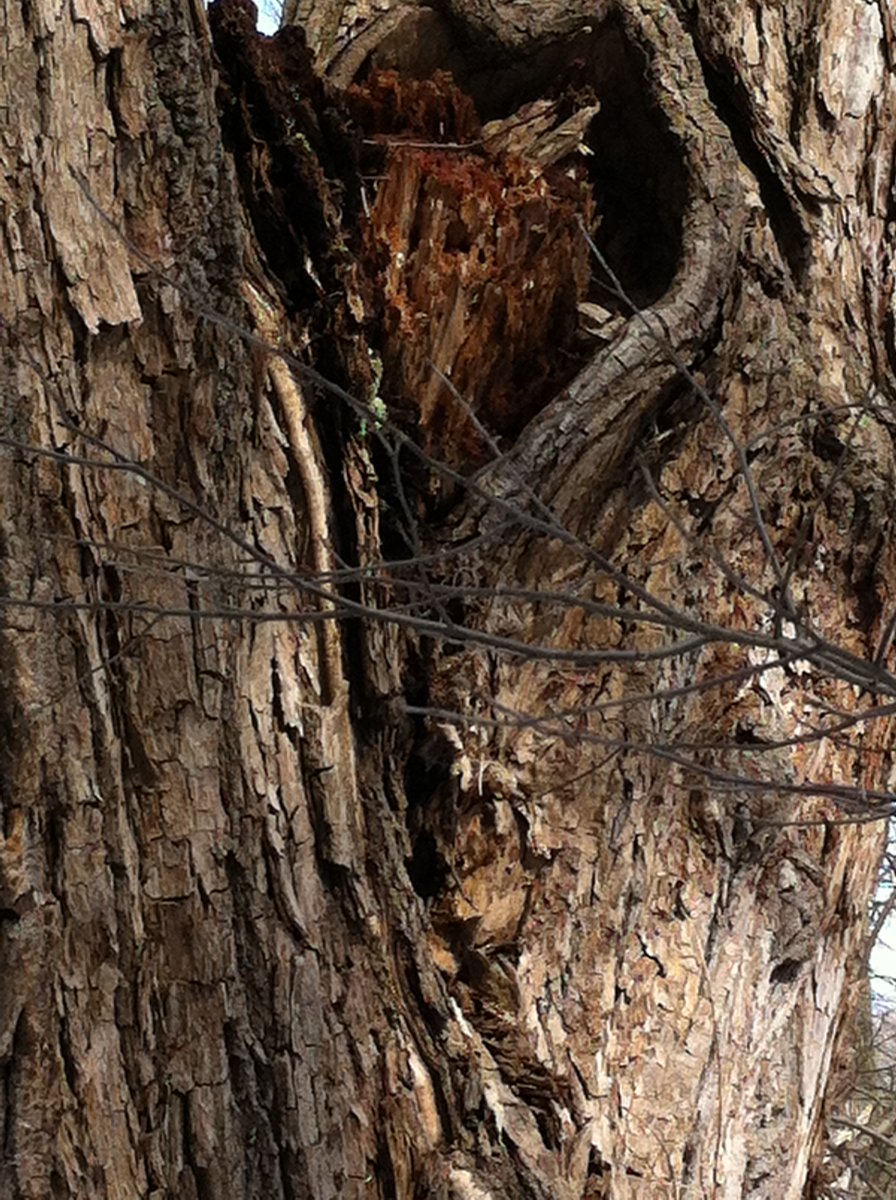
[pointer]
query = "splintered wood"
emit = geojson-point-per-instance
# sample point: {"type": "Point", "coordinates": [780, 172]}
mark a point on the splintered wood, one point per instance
{"type": "Point", "coordinates": [474, 236]}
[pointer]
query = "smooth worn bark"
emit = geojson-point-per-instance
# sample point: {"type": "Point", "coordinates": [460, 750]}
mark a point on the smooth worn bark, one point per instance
{"type": "Point", "coordinates": [380, 402]}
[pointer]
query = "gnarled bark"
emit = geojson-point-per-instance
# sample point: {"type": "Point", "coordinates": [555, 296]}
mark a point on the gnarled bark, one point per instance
{"type": "Point", "coordinates": [438, 879]}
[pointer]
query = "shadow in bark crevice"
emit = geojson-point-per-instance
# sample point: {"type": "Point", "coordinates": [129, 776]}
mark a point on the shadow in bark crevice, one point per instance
{"type": "Point", "coordinates": [731, 101]}
{"type": "Point", "coordinates": [431, 791]}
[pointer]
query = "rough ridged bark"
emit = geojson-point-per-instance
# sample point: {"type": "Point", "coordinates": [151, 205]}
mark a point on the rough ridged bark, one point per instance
{"type": "Point", "coordinates": [263, 933]}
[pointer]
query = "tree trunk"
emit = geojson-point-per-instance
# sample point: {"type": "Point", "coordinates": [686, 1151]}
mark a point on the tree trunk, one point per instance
{"type": "Point", "coordinates": [448, 574]}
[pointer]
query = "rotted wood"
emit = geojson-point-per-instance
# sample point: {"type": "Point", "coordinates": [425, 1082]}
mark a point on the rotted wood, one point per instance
{"type": "Point", "coordinates": [473, 236]}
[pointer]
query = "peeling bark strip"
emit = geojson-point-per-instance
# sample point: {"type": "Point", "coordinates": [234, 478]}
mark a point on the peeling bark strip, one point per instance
{"type": "Point", "coordinates": [298, 908]}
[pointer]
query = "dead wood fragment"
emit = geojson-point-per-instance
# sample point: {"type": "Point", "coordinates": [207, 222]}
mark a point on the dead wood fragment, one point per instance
{"type": "Point", "coordinates": [479, 257]}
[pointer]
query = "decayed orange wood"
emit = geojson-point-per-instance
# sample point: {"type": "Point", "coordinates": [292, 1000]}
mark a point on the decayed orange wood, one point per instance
{"type": "Point", "coordinates": [480, 260]}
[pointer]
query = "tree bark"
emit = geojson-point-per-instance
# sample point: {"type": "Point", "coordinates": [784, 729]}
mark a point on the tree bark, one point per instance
{"type": "Point", "coordinates": [361, 833]}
